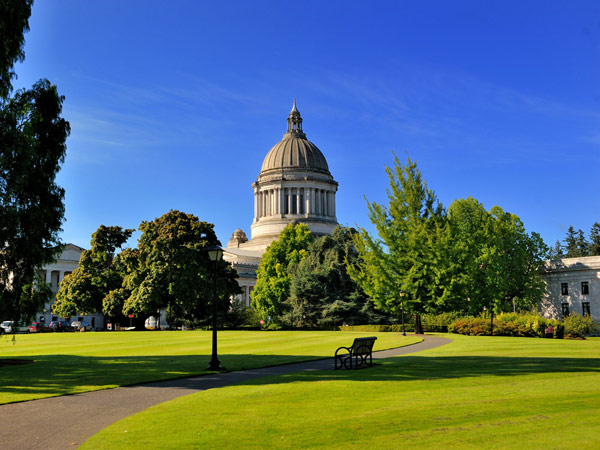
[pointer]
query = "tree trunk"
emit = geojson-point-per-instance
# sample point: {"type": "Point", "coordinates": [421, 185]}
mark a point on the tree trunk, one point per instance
{"type": "Point", "coordinates": [418, 325]}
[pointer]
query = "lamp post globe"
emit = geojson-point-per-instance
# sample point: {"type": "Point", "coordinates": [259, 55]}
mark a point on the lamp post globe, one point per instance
{"type": "Point", "coordinates": [215, 254]}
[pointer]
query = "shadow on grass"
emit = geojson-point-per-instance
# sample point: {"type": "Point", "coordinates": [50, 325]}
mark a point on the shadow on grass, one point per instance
{"type": "Point", "coordinates": [410, 368]}
{"type": "Point", "coordinates": [52, 375]}
{"type": "Point", "coordinates": [67, 374]}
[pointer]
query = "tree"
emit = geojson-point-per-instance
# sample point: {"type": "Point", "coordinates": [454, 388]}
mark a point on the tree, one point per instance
{"type": "Point", "coordinates": [594, 248]}
{"type": "Point", "coordinates": [32, 149]}
{"type": "Point", "coordinates": [405, 256]}
{"type": "Point", "coordinates": [14, 22]}
{"type": "Point", "coordinates": [172, 270]}
{"type": "Point", "coordinates": [322, 292]}
{"type": "Point", "coordinates": [273, 277]}
{"type": "Point", "coordinates": [89, 286]}
{"type": "Point", "coordinates": [498, 261]}
{"type": "Point", "coordinates": [556, 252]}
{"type": "Point", "coordinates": [571, 243]}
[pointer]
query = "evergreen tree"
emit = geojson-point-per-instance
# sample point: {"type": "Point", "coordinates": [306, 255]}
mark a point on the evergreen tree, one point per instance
{"type": "Point", "coordinates": [556, 252]}
{"type": "Point", "coordinates": [594, 248]}
{"type": "Point", "coordinates": [582, 244]}
{"type": "Point", "coordinates": [570, 246]}
{"type": "Point", "coordinates": [274, 274]}
{"type": "Point", "coordinates": [322, 292]}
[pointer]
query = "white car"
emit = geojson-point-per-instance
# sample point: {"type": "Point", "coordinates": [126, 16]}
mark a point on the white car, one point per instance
{"type": "Point", "coordinates": [8, 326]}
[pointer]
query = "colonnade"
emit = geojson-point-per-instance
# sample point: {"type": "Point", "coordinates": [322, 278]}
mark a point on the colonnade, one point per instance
{"type": "Point", "coordinates": [54, 277]}
{"type": "Point", "coordinates": [294, 200]}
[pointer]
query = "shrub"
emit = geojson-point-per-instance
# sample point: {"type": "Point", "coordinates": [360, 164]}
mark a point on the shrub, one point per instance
{"type": "Point", "coordinates": [559, 331]}
{"type": "Point", "coordinates": [438, 322]}
{"type": "Point", "coordinates": [578, 327]}
{"type": "Point", "coordinates": [511, 324]}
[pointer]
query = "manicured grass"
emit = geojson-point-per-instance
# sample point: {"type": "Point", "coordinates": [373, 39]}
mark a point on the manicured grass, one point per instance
{"type": "Point", "coordinates": [67, 363]}
{"type": "Point", "coordinates": [477, 392]}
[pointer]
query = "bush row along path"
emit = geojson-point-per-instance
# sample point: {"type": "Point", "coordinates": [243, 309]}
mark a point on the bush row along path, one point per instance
{"type": "Point", "coordinates": [67, 421]}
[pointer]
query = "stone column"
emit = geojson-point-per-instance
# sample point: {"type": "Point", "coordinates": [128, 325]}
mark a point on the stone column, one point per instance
{"type": "Point", "coordinates": [48, 277]}
{"type": "Point", "coordinates": [298, 201]}
{"type": "Point", "coordinates": [255, 206]}
{"type": "Point", "coordinates": [333, 204]}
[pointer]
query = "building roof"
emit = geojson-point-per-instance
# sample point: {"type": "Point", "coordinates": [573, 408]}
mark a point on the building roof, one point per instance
{"type": "Point", "coordinates": [295, 151]}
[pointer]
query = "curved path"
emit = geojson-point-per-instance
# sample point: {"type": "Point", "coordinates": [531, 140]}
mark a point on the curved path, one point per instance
{"type": "Point", "coordinates": [66, 421]}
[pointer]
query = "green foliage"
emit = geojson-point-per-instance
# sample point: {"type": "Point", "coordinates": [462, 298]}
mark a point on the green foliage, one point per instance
{"type": "Point", "coordinates": [495, 262]}
{"type": "Point", "coordinates": [406, 254]}
{"type": "Point", "coordinates": [438, 322]}
{"type": "Point", "coordinates": [322, 292]}
{"type": "Point", "coordinates": [14, 22]}
{"type": "Point", "coordinates": [594, 247]}
{"type": "Point", "coordinates": [273, 277]}
{"type": "Point", "coordinates": [460, 261]}
{"type": "Point", "coordinates": [578, 326]}
{"type": "Point", "coordinates": [382, 328]}
{"type": "Point", "coordinates": [510, 324]}
{"type": "Point", "coordinates": [99, 273]}
{"type": "Point", "coordinates": [171, 270]}
{"type": "Point", "coordinates": [240, 316]}
{"type": "Point", "coordinates": [32, 149]}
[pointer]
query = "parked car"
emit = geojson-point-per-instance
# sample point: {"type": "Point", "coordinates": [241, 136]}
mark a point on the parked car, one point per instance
{"type": "Point", "coordinates": [7, 327]}
{"type": "Point", "coordinates": [78, 325]}
{"type": "Point", "coordinates": [39, 327]}
{"type": "Point", "coordinates": [60, 325]}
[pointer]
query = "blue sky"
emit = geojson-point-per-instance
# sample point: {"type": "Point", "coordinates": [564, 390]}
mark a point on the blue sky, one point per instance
{"type": "Point", "coordinates": [174, 105]}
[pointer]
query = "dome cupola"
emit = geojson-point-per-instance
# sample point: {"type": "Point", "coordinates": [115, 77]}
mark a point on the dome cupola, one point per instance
{"type": "Point", "coordinates": [294, 151]}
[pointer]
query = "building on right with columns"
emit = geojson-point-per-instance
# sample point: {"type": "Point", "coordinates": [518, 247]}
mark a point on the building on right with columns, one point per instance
{"type": "Point", "coordinates": [294, 185]}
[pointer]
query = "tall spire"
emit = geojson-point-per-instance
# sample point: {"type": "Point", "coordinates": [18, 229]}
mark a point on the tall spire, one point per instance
{"type": "Point", "coordinates": [294, 128]}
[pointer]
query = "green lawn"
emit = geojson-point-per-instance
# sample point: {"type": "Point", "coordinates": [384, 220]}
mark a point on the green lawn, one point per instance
{"type": "Point", "coordinates": [67, 363]}
{"type": "Point", "coordinates": [477, 392]}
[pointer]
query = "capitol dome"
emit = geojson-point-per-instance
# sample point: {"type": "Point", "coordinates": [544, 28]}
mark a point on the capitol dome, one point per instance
{"type": "Point", "coordinates": [294, 151]}
{"type": "Point", "coordinates": [294, 185]}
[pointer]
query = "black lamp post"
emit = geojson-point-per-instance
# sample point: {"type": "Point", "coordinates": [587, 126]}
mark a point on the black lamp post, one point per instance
{"type": "Point", "coordinates": [402, 308]}
{"type": "Point", "coordinates": [215, 253]}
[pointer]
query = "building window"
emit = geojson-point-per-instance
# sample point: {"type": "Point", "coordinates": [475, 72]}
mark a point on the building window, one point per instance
{"type": "Point", "coordinates": [585, 306]}
{"type": "Point", "coordinates": [294, 204]}
{"type": "Point", "coordinates": [565, 309]}
{"type": "Point", "coordinates": [585, 288]}
{"type": "Point", "coordinates": [564, 288]}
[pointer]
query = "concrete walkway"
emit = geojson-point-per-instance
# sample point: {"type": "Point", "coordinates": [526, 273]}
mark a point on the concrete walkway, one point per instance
{"type": "Point", "coordinates": [67, 421]}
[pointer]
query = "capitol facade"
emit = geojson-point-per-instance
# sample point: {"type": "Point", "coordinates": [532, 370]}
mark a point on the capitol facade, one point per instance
{"type": "Point", "coordinates": [294, 185]}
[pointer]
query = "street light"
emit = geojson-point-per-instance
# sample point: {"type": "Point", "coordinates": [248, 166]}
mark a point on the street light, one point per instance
{"type": "Point", "coordinates": [215, 253]}
{"type": "Point", "coordinates": [402, 308]}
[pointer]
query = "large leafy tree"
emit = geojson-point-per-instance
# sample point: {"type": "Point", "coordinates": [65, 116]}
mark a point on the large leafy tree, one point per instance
{"type": "Point", "coordinates": [172, 270]}
{"type": "Point", "coordinates": [99, 272]}
{"type": "Point", "coordinates": [322, 292]}
{"type": "Point", "coordinates": [32, 149]}
{"type": "Point", "coordinates": [401, 265]}
{"type": "Point", "coordinates": [498, 262]}
{"type": "Point", "coordinates": [274, 274]}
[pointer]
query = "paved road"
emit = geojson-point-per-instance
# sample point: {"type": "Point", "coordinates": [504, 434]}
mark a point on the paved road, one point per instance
{"type": "Point", "coordinates": [67, 421]}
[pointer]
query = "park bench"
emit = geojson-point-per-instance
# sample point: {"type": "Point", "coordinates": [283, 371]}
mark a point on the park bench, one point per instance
{"type": "Point", "coordinates": [360, 353]}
